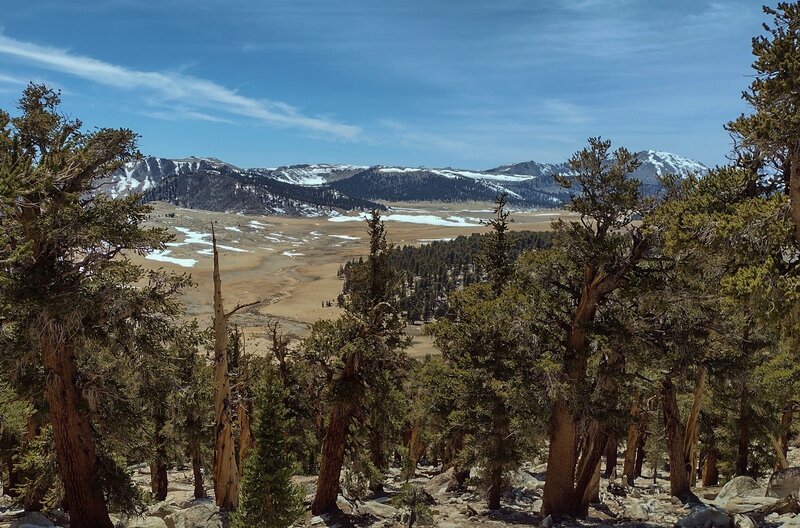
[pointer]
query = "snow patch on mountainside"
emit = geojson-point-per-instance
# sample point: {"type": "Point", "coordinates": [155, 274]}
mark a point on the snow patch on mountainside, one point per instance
{"type": "Point", "coordinates": [666, 163]}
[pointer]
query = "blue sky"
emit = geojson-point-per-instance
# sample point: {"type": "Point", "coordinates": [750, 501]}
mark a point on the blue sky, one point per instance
{"type": "Point", "coordinates": [461, 83]}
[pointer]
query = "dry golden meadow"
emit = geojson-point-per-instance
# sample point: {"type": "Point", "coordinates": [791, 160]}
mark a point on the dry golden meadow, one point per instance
{"type": "Point", "coordinates": [290, 264]}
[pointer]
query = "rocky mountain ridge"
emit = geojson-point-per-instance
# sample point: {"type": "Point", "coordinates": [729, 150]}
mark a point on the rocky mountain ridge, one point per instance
{"type": "Point", "coordinates": [324, 189]}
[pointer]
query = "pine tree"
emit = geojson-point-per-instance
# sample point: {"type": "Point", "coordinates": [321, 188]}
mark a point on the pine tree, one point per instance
{"type": "Point", "coordinates": [770, 136]}
{"type": "Point", "coordinates": [268, 498]}
{"type": "Point", "coordinates": [591, 259]}
{"type": "Point", "coordinates": [360, 352]}
{"type": "Point", "coordinates": [73, 298]}
{"type": "Point", "coordinates": [488, 343]}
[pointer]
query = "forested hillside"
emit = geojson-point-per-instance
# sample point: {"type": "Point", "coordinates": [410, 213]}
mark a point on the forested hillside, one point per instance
{"type": "Point", "coordinates": [223, 189]}
{"type": "Point", "coordinates": [431, 272]}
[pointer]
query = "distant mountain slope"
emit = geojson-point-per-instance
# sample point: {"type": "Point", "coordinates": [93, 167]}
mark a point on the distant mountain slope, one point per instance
{"type": "Point", "coordinates": [406, 184]}
{"type": "Point", "coordinates": [210, 184]}
{"type": "Point", "coordinates": [653, 164]}
{"type": "Point", "coordinates": [312, 190]}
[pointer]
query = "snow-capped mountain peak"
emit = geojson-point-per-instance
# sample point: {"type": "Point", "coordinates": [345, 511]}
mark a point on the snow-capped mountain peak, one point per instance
{"type": "Point", "coordinates": [668, 163]}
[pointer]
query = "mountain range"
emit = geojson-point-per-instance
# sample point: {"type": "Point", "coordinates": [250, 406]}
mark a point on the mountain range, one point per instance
{"type": "Point", "coordinates": [327, 189]}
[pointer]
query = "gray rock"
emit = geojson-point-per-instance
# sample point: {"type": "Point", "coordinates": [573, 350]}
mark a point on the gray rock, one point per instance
{"type": "Point", "coordinates": [547, 522]}
{"type": "Point", "coordinates": [704, 518]}
{"type": "Point", "coordinates": [202, 514]}
{"type": "Point", "coordinates": [147, 522]}
{"type": "Point", "coordinates": [382, 511]}
{"type": "Point", "coordinates": [743, 521]}
{"type": "Point", "coordinates": [789, 522]}
{"type": "Point", "coordinates": [748, 504]}
{"type": "Point", "coordinates": [636, 512]}
{"type": "Point", "coordinates": [523, 479]}
{"type": "Point", "coordinates": [438, 484]}
{"type": "Point", "coordinates": [162, 509]}
{"type": "Point", "coordinates": [784, 483]}
{"type": "Point", "coordinates": [31, 519]}
{"type": "Point", "coordinates": [737, 487]}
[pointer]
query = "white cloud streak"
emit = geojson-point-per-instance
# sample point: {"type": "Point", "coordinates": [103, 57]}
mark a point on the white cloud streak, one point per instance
{"type": "Point", "coordinates": [174, 88]}
{"type": "Point", "coordinates": [10, 79]}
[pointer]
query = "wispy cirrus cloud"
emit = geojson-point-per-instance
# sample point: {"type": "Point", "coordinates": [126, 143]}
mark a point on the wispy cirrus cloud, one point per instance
{"type": "Point", "coordinates": [12, 79]}
{"type": "Point", "coordinates": [202, 95]}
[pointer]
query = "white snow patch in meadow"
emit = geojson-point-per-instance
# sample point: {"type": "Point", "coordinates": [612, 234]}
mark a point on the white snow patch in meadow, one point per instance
{"type": "Point", "coordinates": [206, 252]}
{"type": "Point", "coordinates": [268, 249]}
{"type": "Point", "coordinates": [452, 221]}
{"type": "Point", "coordinates": [193, 237]}
{"type": "Point", "coordinates": [163, 256]}
{"type": "Point", "coordinates": [346, 237]}
{"type": "Point", "coordinates": [234, 229]}
{"type": "Point", "coordinates": [292, 254]}
{"type": "Point", "coordinates": [284, 236]}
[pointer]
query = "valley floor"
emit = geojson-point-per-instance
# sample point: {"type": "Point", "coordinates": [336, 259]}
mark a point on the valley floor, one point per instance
{"type": "Point", "coordinates": [290, 264]}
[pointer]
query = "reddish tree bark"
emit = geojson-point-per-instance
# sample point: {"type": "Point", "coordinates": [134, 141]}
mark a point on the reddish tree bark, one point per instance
{"type": "Point", "coordinates": [197, 472]}
{"type": "Point", "coordinates": [710, 470]}
{"type": "Point", "coordinates": [674, 433]}
{"type": "Point", "coordinates": [335, 443]}
{"type": "Point", "coordinates": [73, 436]}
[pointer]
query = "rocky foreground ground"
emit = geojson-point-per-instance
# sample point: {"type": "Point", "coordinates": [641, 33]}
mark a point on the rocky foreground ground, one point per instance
{"type": "Point", "coordinates": [739, 504]}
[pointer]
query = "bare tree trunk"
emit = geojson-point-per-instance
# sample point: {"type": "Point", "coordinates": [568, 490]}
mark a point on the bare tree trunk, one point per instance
{"type": "Point", "coordinates": [783, 439]}
{"type": "Point", "coordinates": [690, 437]}
{"type": "Point", "coordinates": [197, 472]}
{"type": "Point", "coordinates": [332, 459]}
{"type": "Point", "coordinates": [560, 493]}
{"type": "Point", "coordinates": [710, 470]}
{"type": "Point", "coordinates": [631, 444]}
{"type": "Point", "coordinates": [246, 441]}
{"type": "Point", "coordinates": [640, 453]}
{"type": "Point", "coordinates": [743, 443]}
{"type": "Point", "coordinates": [559, 488]}
{"type": "Point", "coordinates": [587, 483]}
{"type": "Point", "coordinates": [500, 428]}
{"type": "Point", "coordinates": [496, 487]}
{"type": "Point", "coordinates": [794, 188]}
{"type": "Point", "coordinates": [674, 432]}
{"type": "Point", "coordinates": [159, 480]}
{"type": "Point", "coordinates": [781, 462]}
{"type": "Point", "coordinates": [691, 432]}
{"type": "Point", "coordinates": [158, 467]}
{"type": "Point", "coordinates": [335, 443]}
{"type": "Point", "coordinates": [611, 454]}
{"type": "Point", "coordinates": [13, 482]}
{"type": "Point", "coordinates": [226, 471]}
{"type": "Point", "coordinates": [73, 435]}
{"type": "Point", "coordinates": [593, 491]}
{"type": "Point", "coordinates": [415, 447]}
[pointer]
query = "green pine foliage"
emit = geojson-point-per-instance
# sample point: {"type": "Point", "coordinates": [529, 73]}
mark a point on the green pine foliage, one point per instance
{"type": "Point", "coordinates": [269, 499]}
{"type": "Point", "coordinates": [430, 273]}
{"type": "Point", "coordinates": [489, 344]}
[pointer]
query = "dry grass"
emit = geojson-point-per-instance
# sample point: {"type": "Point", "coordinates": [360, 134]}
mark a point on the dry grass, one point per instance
{"type": "Point", "coordinates": [294, 288]}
